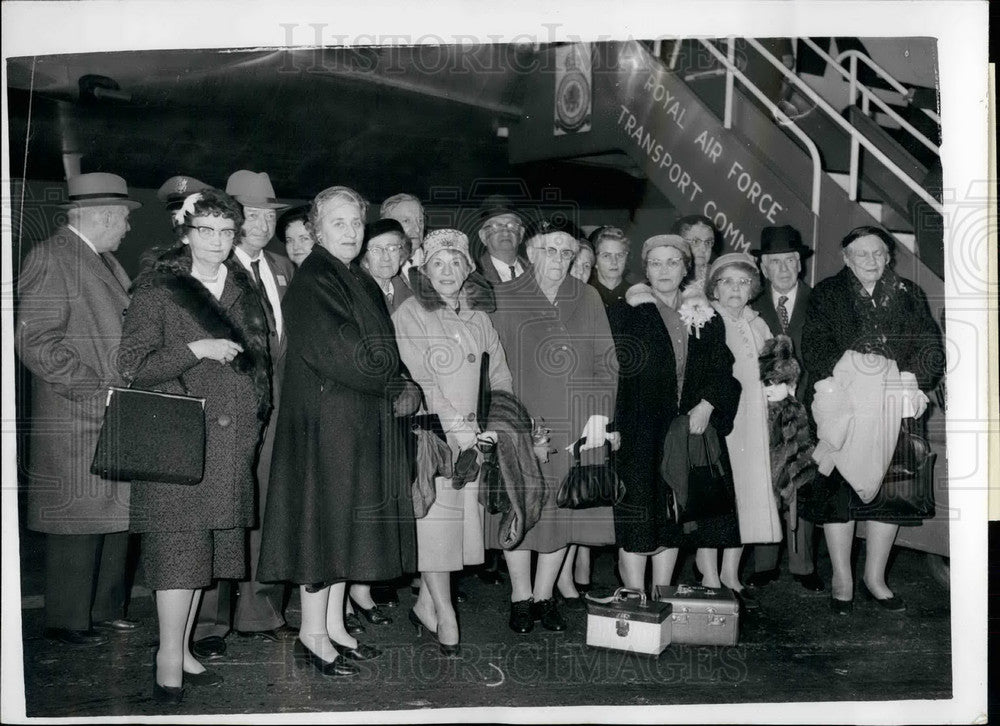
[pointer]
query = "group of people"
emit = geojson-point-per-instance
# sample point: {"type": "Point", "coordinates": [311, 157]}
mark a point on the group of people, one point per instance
{"type": "Point", "coordinates": [315, 369]}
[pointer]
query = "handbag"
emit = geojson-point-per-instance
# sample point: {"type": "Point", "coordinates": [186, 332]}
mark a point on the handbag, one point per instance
{"type": "Point", "coordinates": [151, 436]}
{"type": "Point", "coordinates": [593, 485]}
{"type": "Point", "coordinates": [491, 484]}
{"type": "Point", "coordinates": [710, 488]}
{"type": "Point", "coordinates": [907, 490]}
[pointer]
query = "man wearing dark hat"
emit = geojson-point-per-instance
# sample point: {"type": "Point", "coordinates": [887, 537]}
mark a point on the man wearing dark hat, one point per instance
{"type": "Point", "coordinates": [73, 294]}
{"type": "Point", "coordinates": [501, 230]}
{"type": "Point", "coordinates": [782, 305]}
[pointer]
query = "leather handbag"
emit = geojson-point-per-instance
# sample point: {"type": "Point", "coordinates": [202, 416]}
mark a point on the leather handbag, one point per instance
{"type": "Point", "coordinates": [491, 484]}
{"type": "Point", "coordinates": [591, 485]}
{"type": "Point", "coordinates": [907, 491]}
{"type": "Point", "coordinates": [710, 487]}
{"type": "Point", "coordinates": [151, 436]}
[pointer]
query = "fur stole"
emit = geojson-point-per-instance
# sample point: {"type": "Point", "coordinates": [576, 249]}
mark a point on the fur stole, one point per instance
{"type": "Point", "coordinates": [476, 294]}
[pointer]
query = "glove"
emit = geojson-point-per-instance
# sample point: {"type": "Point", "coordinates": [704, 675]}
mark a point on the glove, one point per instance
{"type": "Point", "coordinates": [408, 400]}
{"type": "Point", "coordinates": [699, 416]}
{"type": "Point", "coordinates": [595, 431]}
{"type": "Point", "coordinates": [465, 438]}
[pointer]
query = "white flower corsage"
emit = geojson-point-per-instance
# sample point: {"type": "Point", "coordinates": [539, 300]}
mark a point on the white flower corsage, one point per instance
{"type": "Point", "coordinates": [186, 208]}
{"type": "Point", "coordinates": [695, 309]}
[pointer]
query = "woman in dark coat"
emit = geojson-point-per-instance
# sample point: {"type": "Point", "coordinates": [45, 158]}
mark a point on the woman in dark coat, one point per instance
{"type": "Point", "coordinates": [673, 359]}
{"type": "Point", "coordinates": [196, 326]}
{"type": "Point", "coordinates": [868, 309]}
{"type": "Point", "coordinates": [339, 506]}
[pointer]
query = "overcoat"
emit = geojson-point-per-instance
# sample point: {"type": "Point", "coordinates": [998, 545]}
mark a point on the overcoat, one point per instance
{"type": "Point", "coordinates": [169, 310]}
{"type": "Point", "coordinates": [69, 323]}
{"type": "Point", "coordinates": [338, 507]}
{"type": "Point", "coordinates": [562, 359]}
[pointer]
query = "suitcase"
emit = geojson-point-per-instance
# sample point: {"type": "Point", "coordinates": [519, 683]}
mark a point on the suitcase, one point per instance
{"type": "Point", "coordinates": [626, 623]}
{"type": "Point", "coordinates": [701, 615]}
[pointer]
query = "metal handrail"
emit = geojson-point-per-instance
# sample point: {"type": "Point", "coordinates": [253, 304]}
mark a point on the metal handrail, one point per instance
{"type": "Point", "coordinates": [856, 136]}
{"type": "Point", "coordinates": [733, 72]}
{"type": "Point", "coordinates": [897, 86]}
{"type": "Point", "coordinates": [867, 94]}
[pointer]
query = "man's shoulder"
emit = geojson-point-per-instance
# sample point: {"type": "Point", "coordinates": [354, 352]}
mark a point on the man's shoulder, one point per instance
{"type": "Point", "coordinates": [280, 263]}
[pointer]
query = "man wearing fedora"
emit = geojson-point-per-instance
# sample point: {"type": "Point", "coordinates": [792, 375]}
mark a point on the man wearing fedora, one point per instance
{"type": "Point", "coordinates": [72, 297]}
{"type": "Point", "coordinates": [501, 230]}
{"type": "Point", "coordinates": [782, 305]}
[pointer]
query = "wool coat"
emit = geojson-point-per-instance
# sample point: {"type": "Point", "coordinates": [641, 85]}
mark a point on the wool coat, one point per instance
{"type": "Point", "coordinates": [562, 359]}
{"type": "Point", "coordinates": [169, 310]}
{"type": "Point", "coordinates": [69, 322]}
{"type": "Point", "coordinates": [339, 505]}
{"type": "Point", "coordinates": [764, 304]}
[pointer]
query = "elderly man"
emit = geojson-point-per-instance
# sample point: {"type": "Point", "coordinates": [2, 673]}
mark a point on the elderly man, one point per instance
{"type": "Point", "coordinates": [501, 230]}
{"type": "Point", "coordinates": [611, 249]}
{"type": "Point", "coordinates": [782, 305]}
{"type": "Point", "coordinates": [409, 212]}
{"type": "Point", "coordinates": [73, 293]}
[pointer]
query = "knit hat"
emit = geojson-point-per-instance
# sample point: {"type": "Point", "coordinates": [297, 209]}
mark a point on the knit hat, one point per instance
{"type": "Point", "coordinates": [777, 362]}
{"type": "Point", "coordinates": [446, 239]}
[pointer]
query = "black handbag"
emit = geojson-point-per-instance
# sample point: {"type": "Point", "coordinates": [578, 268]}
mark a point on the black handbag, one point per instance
{"type": "Point", "coordinates": [591, 485]}
{"type": "Point", "coordinates": [151, 436]}
{"type": "Point", "coordinates": [493, 492]}
{"type": "Point", "coordinates": [907, 490]}
{"type": "Point", "coordinates": [710, 487]}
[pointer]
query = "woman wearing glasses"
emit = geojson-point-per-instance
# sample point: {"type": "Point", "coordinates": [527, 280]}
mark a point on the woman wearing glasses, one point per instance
{"type": "Point", "coordinates": [866, 310]}
{"type": "Point", "coordinates": [705, 242]}
{"type": "Point", "coordinates": [561, 355]}
{"type": "Point", "coordinates": [196, 326]}
{"type": "Point", "coordinates": [611, 248]}
{"type": "Point", "coordinates": [731, 283]}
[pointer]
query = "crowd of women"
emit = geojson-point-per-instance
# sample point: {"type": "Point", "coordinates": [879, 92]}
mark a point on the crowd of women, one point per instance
{"type": "Point", "coordinates": [386, 326]}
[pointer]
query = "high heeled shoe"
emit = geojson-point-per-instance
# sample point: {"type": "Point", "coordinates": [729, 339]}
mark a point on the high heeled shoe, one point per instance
{"type": "Point", "coordinates": [892, 604]}
{"type": "Point", "coordinates": [373, 615]}
{"type": "Point", "coordinates": [336, 668]}
{"type": "Point", "coordinates": [362, 651]}
{"type": "Point", "coordinates": [203, 679]}
{"type": "Point", "coordinates": [352, 624]}
{"type": "Point", "coordinates": [167, 695]}
{"type": "Point", "coordinates": [419, 624]}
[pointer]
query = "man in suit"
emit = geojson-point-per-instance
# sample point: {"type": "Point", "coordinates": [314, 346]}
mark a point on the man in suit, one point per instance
{"type": "Point", "coordinates": [72, 296]}
{"type": "Point", "coordinates": [409, 212]}
{"type": "Point", "coordinates": [501, 230]}
{"type": "Point", "coordinates": [782, 305]}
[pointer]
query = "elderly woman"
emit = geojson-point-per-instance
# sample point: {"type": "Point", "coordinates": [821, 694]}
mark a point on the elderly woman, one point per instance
{"type": "Point", "coordinates": [673, 360]}
{"type": "Point", "coordinates": [705, 242]}
{"type": "Point", "coordinates": [560, 350]}
{"type": "Point", "coordinates": [865, 309]}
{"type": "Point", "coordinates": [583, 263]}
{"type": "Point", "coordinates": [339, 507]}
{"type": "Point", "coordinates": [294, 232]}
{"type": "Point", "coordinates": [733, 280]}
{"type": "Point", "coordinates": [196, 326]}
{"type": "Point", "coordinates": [443, 332]}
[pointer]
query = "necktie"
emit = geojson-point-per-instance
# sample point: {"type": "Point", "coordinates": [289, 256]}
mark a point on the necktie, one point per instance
{"type": "Point", "coordinates": [513, 272]}
{"type": "Point", "coordinates": [783, 312]}
{"type": "Point", "coordinates": [388, 299]}
{"type": "Point", "coordinates": [255, 265]}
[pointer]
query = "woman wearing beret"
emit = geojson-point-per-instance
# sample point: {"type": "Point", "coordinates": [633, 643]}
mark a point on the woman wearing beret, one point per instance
{"type": "Point", "coordinates": [339, 507]}
{"type": "Point", "coordinates": [443, 332]}
{"type": "Point", "coordinates": [866, 326]}
{"type": "Point", "coordinates": [733, 280]}
{"type": "Point", "coordinates": [673, 360]}
{"type": "Point", "coordinates": [196, 326]}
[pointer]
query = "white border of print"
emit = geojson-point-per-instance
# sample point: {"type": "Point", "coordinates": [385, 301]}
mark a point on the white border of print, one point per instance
{"type": "Point", "coordinates": [37, 28]}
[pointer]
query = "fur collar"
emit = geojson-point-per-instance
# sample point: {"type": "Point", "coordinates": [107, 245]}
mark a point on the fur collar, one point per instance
{"type": "Point", "coordinates": [477, 293]}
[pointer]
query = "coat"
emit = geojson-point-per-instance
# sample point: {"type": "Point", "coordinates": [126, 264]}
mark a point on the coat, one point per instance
{"type": "Point", "coordinates": [339, 504]}
{"type": "Point", "coordinates": [489, 271]}
{"type": "Point", "coordinates": [764, 304]}
{"type": "Point", "coordinates": [69, 322]}
{"type": "Point", "coordinates": [169, 310]}
{"type": "Point", "coordinates": [562, 359]}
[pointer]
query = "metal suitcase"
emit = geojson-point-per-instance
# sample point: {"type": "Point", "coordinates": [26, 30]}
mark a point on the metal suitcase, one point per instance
{"type": "Point", "coordinates": [702, 615]}
{"type": "Point", "coordinates": [624, 623]}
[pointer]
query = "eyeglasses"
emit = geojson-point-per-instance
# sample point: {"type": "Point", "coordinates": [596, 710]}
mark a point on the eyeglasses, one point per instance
{"type": "Point", "coordinates": [671, 264]}
{"type": "Point", "coordinates": [555, 253]}
{"type": "Point", "coordinates": [227, 233]}
{"type": "Point", "coordinates": [700, 242]}
{"type": "Point", "coordinates": [878, 256]}
{"type": "Point", "coordinates": [613, 256]}
{"type": "Point", "coordinates": [498, 226]}
{"type": "Point", "coordinates": [731, 282]}
{"type": "Point", "coordinates": [387, 251]}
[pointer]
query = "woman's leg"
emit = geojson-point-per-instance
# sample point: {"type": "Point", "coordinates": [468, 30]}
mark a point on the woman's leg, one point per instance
{"type": "Point", "coordinates": [192, 664]}
{"type": "Point", "coordinates": [707, 559]}
{"type": "Point", "coordinates": [633, 569]}
{"type": "Point", "coordinates": [424, 607]}
{"type": "Point", "coordinates": [878, 546]}
{"type": "Point", "coordinates": [361, 594]}
{"type": "Point", "coordinates": [839, 539]}
{"type": "Point", "coordinates": [335, 617]}
{"type": "Point", "coordinates": [663, 567]}
{"type": "Point", "coordinates": [730, 576]}
{"type": "Point", "coordinates": [581, 571]}
{"type": "Point", "coordinates": [313, 631]}
{"type": "Point", "coordinates": [546, 573]}
{"type": "Point", "coordinates": [519, 568]}
{"type": "Point", "coordinates": [567, 588]}
{"type": "Point", "coordinates": [439, 586]}
{"type": "Point", "coordinates": [173, 613]}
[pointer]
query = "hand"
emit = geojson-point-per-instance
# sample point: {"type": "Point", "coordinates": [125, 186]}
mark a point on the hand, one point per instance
{"type": "Point", "coordinates": [698, 417]}
{"type": "Point", "coordinates": [595, 431]}
{"type": "Point", "coordinates": [408, 400]}
{"type": "Point", "coordinates": [487, 437]}
{"type": "Point", "coordinates": [220, 349]}
{"type": "Point", "coordinates": [542, 452]}
{"type": "Point", "coordinates": [615, 437]}
{"type": "Point", "coordinates": [465, 438]}
{"type": "Point", "coordinates": [920, 404]}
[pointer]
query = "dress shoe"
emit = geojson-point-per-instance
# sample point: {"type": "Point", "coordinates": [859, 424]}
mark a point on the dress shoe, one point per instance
{"type": "Point", "coordinates": [892, 604]}
{"type": "Point", "coordinates": [490, 577]}
{"type": "Point", "coordinates": [119, 625]}
{"type": "Point", "coordinates": [373, 615]}
{"type": "Point", "coordinates": [521, 620]}
{"type": "Point", "coordinates": [461, 597]}
{"type": "Point", "coordinates": [583, 587]}
{"type": "Point", "coordinates": [352, 624]}
{"type": "Point", "coordinates": [419, 624]}
{"type": "Point", "coordinates": [167, 695]}
{"type": "Point", "coordinates": [759, 579]}
{"type": "Point", "coordinates": [274, 635]}
{"type": "Point", "coordinates": [363, 651]}
{"type": "Point", "coordinates": [812, 582]}
{"type": "Point", "coordinates": [385, 595]}
{"type": "Point", "coordinates": [547, 612]}
{"type": "Point", "coordinates": [746, 599]}
{"type": "Point", "coordinates": [76, 638]}
{"type": "Point", "coordinates": [573, 603]}
{"type": "Point", "coordinates": [203, 679]}
{"type": "Point", "coordinates": [335, 668]}
{"type": "Point", "coordinates": [841, 607]}
{"type": "Point", "coordinates": [211, 648]}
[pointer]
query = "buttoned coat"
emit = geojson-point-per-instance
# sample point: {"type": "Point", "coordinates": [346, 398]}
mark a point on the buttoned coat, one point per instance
{"type": "Point", "coordinates": [764, 304]}
{"type": "Point", "coordinates": [69, 323]}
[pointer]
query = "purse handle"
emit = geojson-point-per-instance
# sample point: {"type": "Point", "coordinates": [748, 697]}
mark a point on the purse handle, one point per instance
{"type": "Point", "coordinates": [581, 441]}
{"type": "Point", "coordinates": [622, 593]}
{"type": "Point", "coordinates": [714, 462]}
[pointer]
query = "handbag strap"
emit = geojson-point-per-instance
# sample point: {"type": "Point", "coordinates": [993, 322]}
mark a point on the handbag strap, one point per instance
{"type": "Point", "coordinates": [582, 440]}
{"type": "Point", "coordinates": [711, 457]}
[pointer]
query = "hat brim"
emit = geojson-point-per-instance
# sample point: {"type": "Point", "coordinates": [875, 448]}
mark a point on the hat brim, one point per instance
{"type": "Point", "coordinates": [102, 202]}
{"type": "Point", "coordinates": [804, 252]}
{"type": "Point", "coordinates": [260, 203]}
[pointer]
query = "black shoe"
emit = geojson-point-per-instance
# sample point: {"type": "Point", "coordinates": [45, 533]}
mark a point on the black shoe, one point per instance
{"type": "Point", "coordinates": [521, 620]}
{"type": "Point", "coordinates": [203, 679]}
{"type": "Point", "coordinates": [892, 604]}
{"type": "Point", "coordinates": [583, 587]}
{"type": "Point", "coordinates": [490, 577]}
{"type": "Point", "coordinates": [450, 651]}
{"type": "Point", "coordinates": [338, 667]}
{"type": "Point", "coordinates": [352, 624]}
{"type": "Point", "coordinates": [211, 648]}
{"type": "Point", "coordinates": [573, 603]}
{"type": "Point", "coordinates": [812, 582]}
{"type": "Point", "coordinates": [759, 579]}
{"type": "Point", "coordinates": [385, 595]}
{"type": "Point", "coordinates": [841, 607]}
{"type": "Point", "coordinates": [746, 599]}
{"type": "Point", "coordinates": [119, 625]}
{"type": "Point", "coordinates": [461, 597]}
{"type": "Point", "coordinates": [419, 624]}
{"type": "Point", "coordinates": [275, 635]}
{"type": "Point", "coordinates": [547, 612]}
{"type": "Point", "coordinates": [363, 651]}
{"type": "Point", "coordinates": [167, 695]}
{"type": "Point", "coordinates": [373, 615]}
{"type": "Point", "coordinates": [76, 638]}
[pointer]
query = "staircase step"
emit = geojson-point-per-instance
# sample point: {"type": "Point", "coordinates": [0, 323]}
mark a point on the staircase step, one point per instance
{"type": "Point", "coordinates": [843, 180]}
{"type": "Point", "coordinates": [907, 239]}
{"type": "Point", "coordinates": [874, 209]}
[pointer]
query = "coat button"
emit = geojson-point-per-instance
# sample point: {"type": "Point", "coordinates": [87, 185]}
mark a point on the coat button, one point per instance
{"type": "Point", "coordinates": [471, 417]}
{"type": "Point", "coordinates": [472, 357]}
{"type": "Point", "coordinates": [224, 420]}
